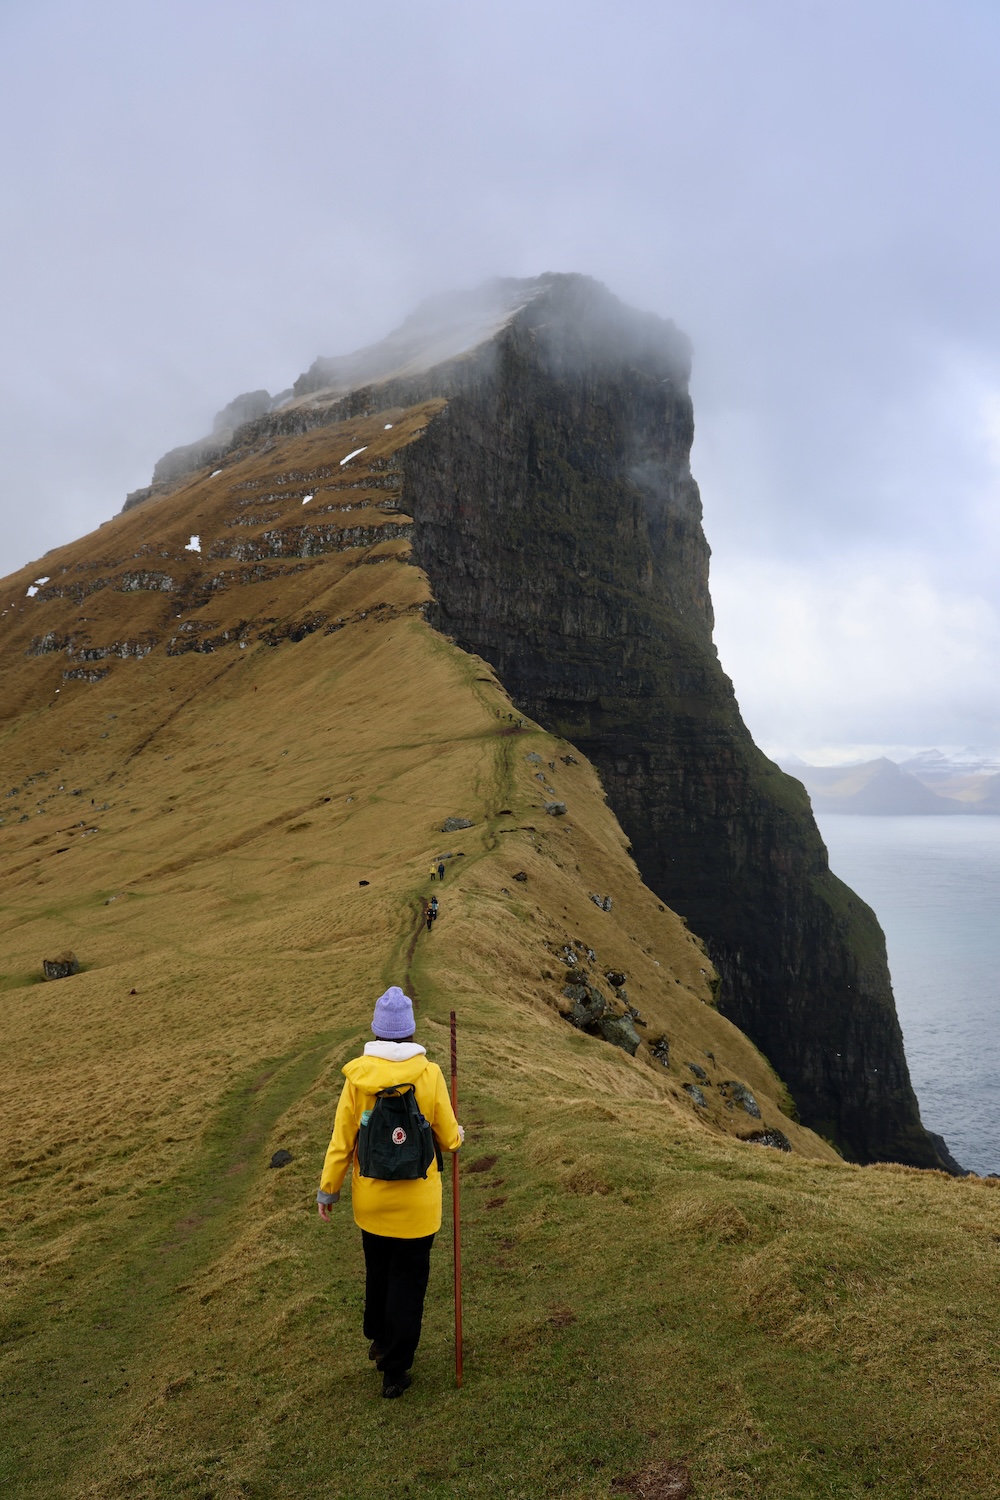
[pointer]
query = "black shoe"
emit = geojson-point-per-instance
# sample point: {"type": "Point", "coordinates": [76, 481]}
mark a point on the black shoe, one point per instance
{"type": "Point", "coordinates": [395, 1385]}
{"type": "Point", "coordinates": [374, 1352]}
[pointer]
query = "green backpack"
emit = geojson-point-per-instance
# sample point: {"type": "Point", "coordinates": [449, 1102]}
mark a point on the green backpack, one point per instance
{"type": "Point", "coordinates": [395, 1142]}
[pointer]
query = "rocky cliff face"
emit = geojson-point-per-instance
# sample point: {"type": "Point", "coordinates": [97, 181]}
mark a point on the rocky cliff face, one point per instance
{"type": "Point", "coordinates": [556, 516]}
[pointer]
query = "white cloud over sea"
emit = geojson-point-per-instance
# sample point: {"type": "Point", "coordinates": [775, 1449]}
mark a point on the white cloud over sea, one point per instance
{"type": "Point", "coordinates": [867, 653]}
{"type": "Point", "coordinates": [865, 620]}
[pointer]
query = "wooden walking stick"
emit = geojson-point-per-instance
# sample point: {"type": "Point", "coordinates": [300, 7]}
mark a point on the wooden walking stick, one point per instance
{"type": "Point", "coordinates": [455, 1218]}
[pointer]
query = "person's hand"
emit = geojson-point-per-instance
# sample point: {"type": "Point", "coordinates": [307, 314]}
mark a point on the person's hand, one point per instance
{"type": "Point", "coordinates": [461, 1134]}
{"type": "Point", "coordinates": [324, 1209]}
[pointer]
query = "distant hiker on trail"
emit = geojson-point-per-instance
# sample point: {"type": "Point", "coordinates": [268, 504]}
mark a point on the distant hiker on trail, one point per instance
{"type": "Point", "coordinates": [434, 870]}
{"type": "Point", "coordinates": [393, 1121]}
{"type": "Point", "coordinates": [441, 870]}
{"type": "Point", "coordinates": [431, 912]}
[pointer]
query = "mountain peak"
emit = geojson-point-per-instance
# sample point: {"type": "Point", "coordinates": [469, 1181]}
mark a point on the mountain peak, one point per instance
{"type": "Point", "coordinates": [565, 309]}
{"type": "Point", "coordinates": [573, 321]}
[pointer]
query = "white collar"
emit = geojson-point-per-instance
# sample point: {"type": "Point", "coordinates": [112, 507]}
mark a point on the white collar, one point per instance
{"type": "Point", "coordinates": [394, 1051]}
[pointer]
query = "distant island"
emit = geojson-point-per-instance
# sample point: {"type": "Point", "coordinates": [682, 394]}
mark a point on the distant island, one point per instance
{"type": "Point", "coordinates": [927, 783]}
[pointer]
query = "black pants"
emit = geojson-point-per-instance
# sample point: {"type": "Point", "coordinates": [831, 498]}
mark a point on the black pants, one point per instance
{"type": "Point", "coordinates": [395, 1283]}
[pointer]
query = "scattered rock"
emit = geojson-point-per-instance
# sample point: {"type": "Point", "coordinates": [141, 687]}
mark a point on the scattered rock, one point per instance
{"type": "Point", "coordinates": [281, 1158]}
{"type": "Point", "coordinates": [619, 1031]}
{"type": "Point", "coordinates": [696, 1095]}
{"type": "Point", "coordinates": [588, 1005]}
{"type": "Point", "coordinates": [521, 876]}
{"type": "Point", "coordinates": [533, 759]}
{"type": "Point", "coordinates": [568, 760]}
{"type": "Point", "coordinates": [555, 809]}
{"type": "Point", "coordinates": [615, 978]}
{"type": "Point", "coordinates": [660, 1049]}
{"type": "Point", "coordinates": [135, 582]}
{"type": "Point", "coordinates": [769, 1137]}
{"type": "Point", "coordinates": [62, 966]}
{"type": "Point", "coordinates": [364, 882]}
{"type": "Point", "coordinates": [699, 1073]}
{"type": "Point", "coordinates": [740, 1094]}
{"type": "Point", "coordinates": [452, 825]}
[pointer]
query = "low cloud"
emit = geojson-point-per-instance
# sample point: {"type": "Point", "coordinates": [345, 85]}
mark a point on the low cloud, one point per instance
{"type": "Point", "coordinates": [868, 653]}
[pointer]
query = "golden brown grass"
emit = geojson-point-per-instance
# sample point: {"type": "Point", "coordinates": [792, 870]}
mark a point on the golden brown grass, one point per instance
{"type": "Point", "coordinates": [644, 1289]}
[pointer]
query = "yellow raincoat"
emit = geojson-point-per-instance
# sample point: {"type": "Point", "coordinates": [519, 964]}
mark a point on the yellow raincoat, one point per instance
{"type": "Point", "coordinates": [406, 1210]}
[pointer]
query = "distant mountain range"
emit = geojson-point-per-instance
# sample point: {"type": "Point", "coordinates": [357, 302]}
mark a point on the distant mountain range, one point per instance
{"type": "Point", "coordinates": [927, 783]}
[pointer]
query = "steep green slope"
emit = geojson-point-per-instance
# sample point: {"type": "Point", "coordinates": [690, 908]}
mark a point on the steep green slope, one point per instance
{"type": "Point", "coordinates": [235, 840]}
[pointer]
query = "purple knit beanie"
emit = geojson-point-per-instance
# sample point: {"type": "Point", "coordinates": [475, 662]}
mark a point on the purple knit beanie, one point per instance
{"type": "Point", "coordinates": [393, 1018]}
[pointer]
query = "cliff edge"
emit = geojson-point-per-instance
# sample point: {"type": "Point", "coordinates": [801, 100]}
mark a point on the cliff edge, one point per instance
{"type": "Point", "coordinates": [557, 519]}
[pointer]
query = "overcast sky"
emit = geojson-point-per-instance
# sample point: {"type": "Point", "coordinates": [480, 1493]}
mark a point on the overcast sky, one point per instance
{"type": "Point", "coordinates": [199, 198]}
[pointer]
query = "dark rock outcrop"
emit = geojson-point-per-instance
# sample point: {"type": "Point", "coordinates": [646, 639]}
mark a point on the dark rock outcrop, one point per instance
{"type": "Point", "coordinates": [735, 1092]}
{"type": "Point", "coordinates": [179, 462]}
{"type": "Point", "coordinates": [588, 1005]}
{"type": "Point", "coordinates": [769, 1137]}
{"type": "Point", "coordinates": [619, 1031]}
{"type": "Point", "coordinates": [557, 518]}
{"type": "Point", "coordinates": [245, 408]}
{"type": "Point", "coordinates": [62, 966]}
{"type": "Point", "coordinates": [947, 1160]}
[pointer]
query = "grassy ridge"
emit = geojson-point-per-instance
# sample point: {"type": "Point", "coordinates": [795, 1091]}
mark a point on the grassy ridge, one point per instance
{"type": "Point", "coordinates": [641, 1285]}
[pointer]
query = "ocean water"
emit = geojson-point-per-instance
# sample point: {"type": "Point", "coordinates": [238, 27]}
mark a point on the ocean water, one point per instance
{"type": "Point", "coordinates": [934, 883]}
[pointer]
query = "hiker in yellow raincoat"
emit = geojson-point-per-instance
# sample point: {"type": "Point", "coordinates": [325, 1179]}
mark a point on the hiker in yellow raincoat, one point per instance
{"type": "Point", "coordinates": [398, 1219]}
